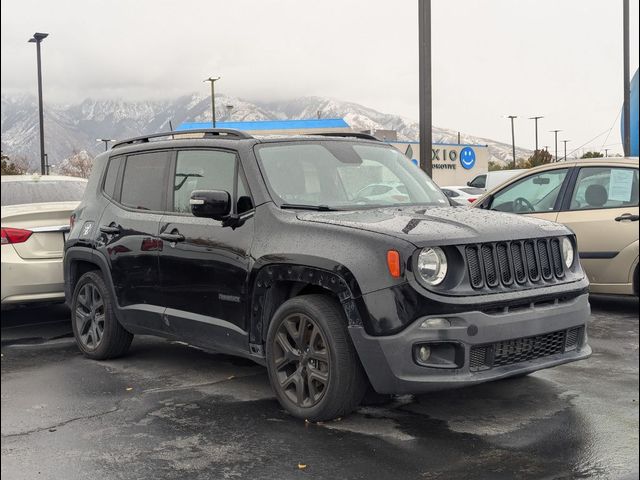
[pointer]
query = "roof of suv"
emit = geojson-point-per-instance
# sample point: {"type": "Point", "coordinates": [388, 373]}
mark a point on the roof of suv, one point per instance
{"type": "Point", "coordinates": [237, 135]}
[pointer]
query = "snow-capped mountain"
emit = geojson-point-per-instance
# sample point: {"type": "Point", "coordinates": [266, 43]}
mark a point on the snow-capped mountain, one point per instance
{"type": "Point", "coordinates": [76, 127]}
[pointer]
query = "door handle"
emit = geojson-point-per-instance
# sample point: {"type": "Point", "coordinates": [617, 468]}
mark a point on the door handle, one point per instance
{"type": "Point", "coordinates": [172, 237]}
{"type": "Point", "coordinates": [627, 217]}
{"type": "Point", "coordinates": [109, 229]}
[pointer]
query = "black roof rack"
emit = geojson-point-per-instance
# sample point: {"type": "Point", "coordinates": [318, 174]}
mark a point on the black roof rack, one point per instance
{"type": "Point", "coordinates": [363, 136]}
{"type": "Point", "coordinates": [207, 132]}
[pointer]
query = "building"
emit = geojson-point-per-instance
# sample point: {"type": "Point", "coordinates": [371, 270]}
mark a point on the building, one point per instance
{"type": "Point", "coordinates": [453, 164]}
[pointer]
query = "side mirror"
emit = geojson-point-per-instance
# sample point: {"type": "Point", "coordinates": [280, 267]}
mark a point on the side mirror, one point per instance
{"type": "Point", "coordinates": [469, 184]}
{"type": "Point", "coordinates": [214, 204]}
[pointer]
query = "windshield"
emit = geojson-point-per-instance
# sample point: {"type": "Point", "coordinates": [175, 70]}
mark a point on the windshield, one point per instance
{"type": "Point", "coordinates": [343, 175]}
{"type": "Point", "coordinates": [42, 191]}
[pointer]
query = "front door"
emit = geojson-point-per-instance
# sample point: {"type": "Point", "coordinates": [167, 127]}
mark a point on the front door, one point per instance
{"type": "Point", "coordinates": [603, 212]}
{"type": "Point", "coordinates": [204, 272]}
{"type": "Point", "coordinates": [537, 194]}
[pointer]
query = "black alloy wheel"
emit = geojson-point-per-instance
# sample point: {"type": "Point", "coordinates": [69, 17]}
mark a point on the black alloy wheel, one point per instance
{"type": "Point", "coordinates": [90, 316]}
{"type": "Point", "coordinates": [301, 359]}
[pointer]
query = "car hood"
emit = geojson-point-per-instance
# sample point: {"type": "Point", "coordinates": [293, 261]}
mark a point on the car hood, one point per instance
{"type": "Point", "coordinates": [440, 225]}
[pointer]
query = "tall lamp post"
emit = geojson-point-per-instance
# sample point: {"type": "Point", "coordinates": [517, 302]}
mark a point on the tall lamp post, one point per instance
{"type": "Point", "coordinates": [513, 138]}
{"type": "Point", "coordinates": [555, 132]}
{"type": "Point", "coordinates": [565, 148]}
{"type": "Point", "coordinates": [106, 142]}
{"type": "Point", "coordinates": [626, 115]}
{"type": "Point", "coordinates": [37, 39]}
{"type": "Point", "coordinates": [535, 119]}
{"type": "Point", "coordinates": [424, 67]}
{"type": "Point", "coordinates": [213, 80]}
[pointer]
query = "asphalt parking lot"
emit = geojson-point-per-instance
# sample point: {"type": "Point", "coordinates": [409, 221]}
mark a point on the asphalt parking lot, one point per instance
{"type": "Point", "coordinates": [170, 411]}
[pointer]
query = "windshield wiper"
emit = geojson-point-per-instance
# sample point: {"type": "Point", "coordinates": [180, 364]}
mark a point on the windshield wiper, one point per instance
{"type": "Point", "coordinates": [319, 208]}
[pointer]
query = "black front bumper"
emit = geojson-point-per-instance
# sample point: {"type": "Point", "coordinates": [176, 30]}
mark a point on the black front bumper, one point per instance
{"type": "Point", "coordinates": [519, 337]}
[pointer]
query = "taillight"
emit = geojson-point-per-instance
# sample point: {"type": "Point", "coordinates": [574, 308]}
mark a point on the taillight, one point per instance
{"type": "Point", "coordinates": [15, 235]}
{"type": "Point", "coordinates": [471, 199]}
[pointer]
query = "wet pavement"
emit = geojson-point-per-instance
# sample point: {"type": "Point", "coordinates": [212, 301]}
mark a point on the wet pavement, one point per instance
{"type": "Point", "coordinates": [167, 410]}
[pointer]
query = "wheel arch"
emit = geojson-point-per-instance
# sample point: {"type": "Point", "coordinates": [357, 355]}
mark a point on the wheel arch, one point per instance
{"type": "Point", "coordinates": [274, 282]}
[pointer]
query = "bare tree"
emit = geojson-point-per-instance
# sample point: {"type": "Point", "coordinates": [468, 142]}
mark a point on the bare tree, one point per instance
{"type": "Point", "coordinates": [77, 165]}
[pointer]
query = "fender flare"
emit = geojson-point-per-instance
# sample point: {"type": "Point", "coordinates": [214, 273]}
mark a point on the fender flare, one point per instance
{"type": "Point", "coordinates": [313, 271]}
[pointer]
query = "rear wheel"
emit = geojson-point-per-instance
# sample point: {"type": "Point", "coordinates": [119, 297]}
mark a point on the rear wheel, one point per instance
{"type": "Point", "coordinates": [97, 331]}
{"type": "Point", "coordinates": [313, 366]}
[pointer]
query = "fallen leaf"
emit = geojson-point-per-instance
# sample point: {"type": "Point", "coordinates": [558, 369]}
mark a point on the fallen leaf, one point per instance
{"type": "Point", "coordinates": [129, 389]}
{"type": "Point", "coordinates": [302, 466]}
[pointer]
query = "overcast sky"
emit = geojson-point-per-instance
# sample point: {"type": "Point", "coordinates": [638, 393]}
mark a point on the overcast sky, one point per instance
{"type": "Point", "coordinates": [491, 58]}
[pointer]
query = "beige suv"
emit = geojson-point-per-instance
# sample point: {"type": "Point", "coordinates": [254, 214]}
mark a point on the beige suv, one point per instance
{"type": "Point", "coordinates": [597, 199]}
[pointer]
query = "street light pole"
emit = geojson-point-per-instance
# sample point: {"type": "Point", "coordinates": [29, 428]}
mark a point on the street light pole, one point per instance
{"type": "Point", "coordinates": [37, 39]}
{"type": "Point", "coordinates": [565, 148]}
{"type": "Point", "coordinates": [535, 119]}
{"type": "Point", "coordinates": [213, 80]}
{"type": "Point", "coordinates": [424, 67]}
{"type": "Point", "coordinates": [513, 139]}
{"type": "Point", "coordinates": [626, 115]}
{"type": "Point", "coordinates": [555, 132]}
{"type": "Point", "coordinates": [606, 153]}
{"type": "Point", "coordinates": [106, 142]}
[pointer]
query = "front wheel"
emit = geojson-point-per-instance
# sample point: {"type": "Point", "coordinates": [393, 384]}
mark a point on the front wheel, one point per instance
{"type": "Point", "coordinates": [96, 329]}
{"type": "Point", "coordinates": [313, 366]}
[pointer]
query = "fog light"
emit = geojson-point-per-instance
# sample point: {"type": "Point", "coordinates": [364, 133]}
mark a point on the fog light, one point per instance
{"type": "Point", "coordinates": [424, 353]}
{"type": "Point", "coordinates": [435, 323]}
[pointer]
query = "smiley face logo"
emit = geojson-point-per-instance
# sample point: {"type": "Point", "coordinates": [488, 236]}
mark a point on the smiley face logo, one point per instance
{"type": "Point", "coordinates": [467, 158]}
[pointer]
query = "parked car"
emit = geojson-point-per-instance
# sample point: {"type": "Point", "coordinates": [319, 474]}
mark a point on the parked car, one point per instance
{"type": "Point", "coordinates": [489, 180]}
{"type": "Point", "coordinates": [35, 219]}
{"type": "Point", "coordinates": [261, 248]}
{"type": "Point", "coordinates": [463, 195]}
{"type": "Point", "coordinates": [598, 200]}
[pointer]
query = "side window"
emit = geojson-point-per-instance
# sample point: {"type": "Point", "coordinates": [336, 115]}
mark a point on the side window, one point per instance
{"type": "Point", "coordinates": [111, 176]}
{"type": "Point", "coordinates": [143, 181]}
{"type": "Point", "coordinates": [605, 187]}
{"type": "Point", "coordinates": [479, 182]}
{"type": "Point", "coordinates": [202, 170]}
{"type": "Point", "coordinates": [535, 193]}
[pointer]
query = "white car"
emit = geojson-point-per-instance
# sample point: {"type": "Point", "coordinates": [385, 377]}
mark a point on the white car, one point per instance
{"type": "Point", "coordinates": [489, 180]}
{"type": "Point", "coordinates": [463, 195]}
{"type": "Point", "coordinates": [384, 193]}
{"type": "Point", "coordinates": [35, 218]}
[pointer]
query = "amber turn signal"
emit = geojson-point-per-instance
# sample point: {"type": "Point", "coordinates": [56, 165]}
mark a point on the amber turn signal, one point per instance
{"type": "Point", "coordinates": [393, 262]}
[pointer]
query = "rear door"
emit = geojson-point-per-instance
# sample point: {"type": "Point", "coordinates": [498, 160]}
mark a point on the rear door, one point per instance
{"type": "Point", "coordinates": [128, 233]}
{"type": "Point", "coordinates": [602, 209]}
{"type": "Point", "coordinates": [204, 274]}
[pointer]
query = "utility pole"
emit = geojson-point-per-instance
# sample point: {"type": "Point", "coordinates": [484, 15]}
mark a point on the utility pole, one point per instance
{"type": "Point", "coordinates": [424, 66]}
{"type": "Point", "coordinates": [513, 139]}
{"type": "Point", "coordinates": [213, 80]}
{"type": "Point", "coordinates": [555, 132]}
{"type": "Point", "coordinates": [626, 115]}
{"type": "Point", "coordinates": [565, 148]}
{"type": "Point", "coordinates": [37, 39]}
{"type": "Point", "coordinates": [535, 119]}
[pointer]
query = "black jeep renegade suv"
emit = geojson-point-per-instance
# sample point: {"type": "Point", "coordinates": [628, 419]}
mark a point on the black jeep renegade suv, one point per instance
{"type": "Point", "coordinates": [334, 261]}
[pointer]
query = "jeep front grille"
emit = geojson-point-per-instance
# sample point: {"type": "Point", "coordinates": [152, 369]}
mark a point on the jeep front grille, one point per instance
{"type": "Point", "coordinates": [491, 265]}
{"type": "Point", "coordinates": [518, 350]}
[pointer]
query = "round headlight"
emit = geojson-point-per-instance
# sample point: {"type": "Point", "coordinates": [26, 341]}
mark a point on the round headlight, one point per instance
{"type": "Point", "coordinates": [432, 265]}
{"type": "Point", "coordinates": [567, 252]}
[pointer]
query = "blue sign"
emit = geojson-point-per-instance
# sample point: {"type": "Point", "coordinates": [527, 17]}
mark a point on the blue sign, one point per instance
{"type": "Point", "coordinates": [467, 158]}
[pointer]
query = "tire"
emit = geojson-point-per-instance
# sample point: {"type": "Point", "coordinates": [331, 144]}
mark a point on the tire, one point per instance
{"type": "Point", "coordinates": [96, 329]}
{"type": "Point", "coordinates": [316, 322]}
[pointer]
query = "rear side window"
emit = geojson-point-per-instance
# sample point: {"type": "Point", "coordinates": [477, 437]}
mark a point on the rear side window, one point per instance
{"type": "Point", "coordinates": [111, 176]}
{"type": "Point", "coordinates": [605, 187]}
{"type": "Point", "coordinates": [479, 182]}
{"type": "Point", "coordinates": [143, 181]}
